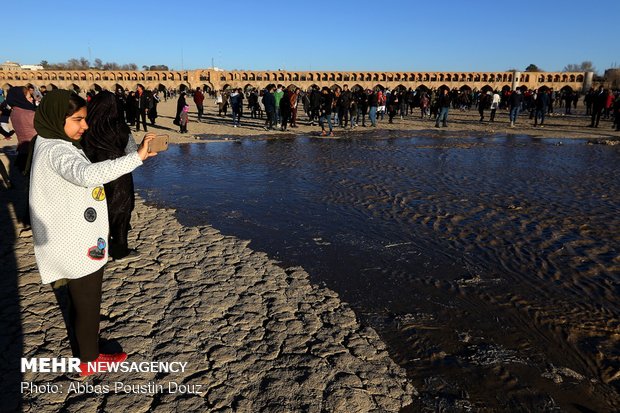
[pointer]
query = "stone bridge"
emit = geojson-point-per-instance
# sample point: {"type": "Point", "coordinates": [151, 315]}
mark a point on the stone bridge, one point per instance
{"type": "Point", "coordinates": [84, 80]}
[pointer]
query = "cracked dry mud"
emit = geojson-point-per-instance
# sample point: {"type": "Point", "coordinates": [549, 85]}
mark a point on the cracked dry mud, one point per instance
{"type": "Point", "coordinates": [256, 337]}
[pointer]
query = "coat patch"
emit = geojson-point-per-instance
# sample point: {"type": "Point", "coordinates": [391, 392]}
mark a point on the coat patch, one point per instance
{"type": "Point", "coordinates": [98, 193]}
{"type": "Point", "coordinates": [90, 214]}
{"type": "Point", "coordinates": [98, 251]}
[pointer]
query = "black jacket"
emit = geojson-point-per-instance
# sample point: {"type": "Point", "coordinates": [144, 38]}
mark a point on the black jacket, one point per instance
{"type": "Point", "coordinates": [269, 100]}
{"type": "Point", "coordinates": [326, 103]}
{"type": "Point", "coordinates": [373, 100]}
{"type": "Point", "coordinates": [444, 100]}
{"type": "Point", "coordinates": [515, 99]}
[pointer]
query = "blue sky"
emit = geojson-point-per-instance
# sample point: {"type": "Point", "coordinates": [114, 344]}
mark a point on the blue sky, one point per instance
{"type": "Point", "coordinates": [405, 35]}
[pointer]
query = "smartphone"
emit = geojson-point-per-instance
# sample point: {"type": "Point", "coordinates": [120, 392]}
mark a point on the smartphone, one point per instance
{"type": "Point", "coordinates": [159, 143]}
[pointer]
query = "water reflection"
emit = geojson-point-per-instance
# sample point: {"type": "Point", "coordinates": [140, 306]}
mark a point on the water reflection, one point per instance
{"type": "Point", "coordinates": [490, 265]}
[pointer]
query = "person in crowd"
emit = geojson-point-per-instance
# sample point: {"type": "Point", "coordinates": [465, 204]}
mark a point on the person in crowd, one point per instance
{"type": "Point", "coordinates": [278, 97]}
{"type": "Point", "coordinates": [483, 103]}
{"type": "Point", "coordinates": [143, 103]}
{"type": "Point", "coordinates": [425, 103]}
{"type": "Point", "coordinates": [392, 104]}
{"type": "Point", "coordinates": [199, 99]}
{"type": "Point", "coordinates": [315, 104]}
{"type": "Point", "coordinates": [343, 105]}
{"type": "Point", "coordinates": [23, 107]}
{"type": "Point", "coordinates": [495, 102]}
{"type": "Point", "coordinates": [514, 103]}
{"type": "Point", "coordinates": [362, 107]}
{"type": "Point", "coordinates": [181, 103]}
{"type": "Point", "coordinates": [285, 109]}
{"type": "Point", "coordinates": [609, 103]}
{"type": "Point", "coordinates": [444, 106]}
{"type": "Point", "coordinates": [599, 99]}
{"type": "Point", "coordinates": [373, 104]}
{"type": "Point", "coordinates": [130, 108]}
{"type": "Point", "coordinates": [152, 112]}
{"type": "Point", "coordinates": [219, 101]}
{"type": "Point", "coordinates": [270, 106]}
{"type": "Point", "coordinates": [568, 101]}
{"type": "Point", "coordinates": [541, 103]}
{"type": "Point", "coordinates": [381, 99]}
{"type": "Point", "coordinates": [616, 108]}
{"type": "Point", "coordinates": [294, 101]}
{"type": "Point", "coordinates": [353, 109]}
{"type": "Point", "coordinates": [236, 104]}
{"type": "Point", "coordinates": [327, 100]}
{"type": "Point", "coordinates": [253, 104]}
{"type": "Point", "coordinates": [121, 101]}
{"type": "Point", "coordinates": [184, 119]}
{"type": "Point", "coordinates": [109, 137]}
{"type": "Point", "coordinates": [5, 114]}
{"type": "Point", "coordinates": [70, 218]}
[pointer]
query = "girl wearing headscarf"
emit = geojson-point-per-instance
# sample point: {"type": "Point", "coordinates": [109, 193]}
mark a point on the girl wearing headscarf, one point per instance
{"type": "Point", "coordinates": [109, 137]}
{"type": "Point", "coordinates": [70, 217]}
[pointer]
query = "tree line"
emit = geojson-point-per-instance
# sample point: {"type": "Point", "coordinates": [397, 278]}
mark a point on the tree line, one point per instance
{"type": "Point", "coordinates": [585, 66]}
{"type": "Point", "coordinates": [84, 64]}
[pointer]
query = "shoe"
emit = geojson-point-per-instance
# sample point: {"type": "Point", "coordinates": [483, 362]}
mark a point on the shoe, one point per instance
{"type": "Point", "coordinates": [101, 364]}
{"type": "Point", "coordinates": [331, 133]}
{"type": "Point", "coordinates": [131, 256]}
{"type": "Point", "coordinates": [323, 133]}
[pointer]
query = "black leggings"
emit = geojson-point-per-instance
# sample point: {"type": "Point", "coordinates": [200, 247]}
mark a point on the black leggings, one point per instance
{"type": "Point", "coordinates": [83, 313]}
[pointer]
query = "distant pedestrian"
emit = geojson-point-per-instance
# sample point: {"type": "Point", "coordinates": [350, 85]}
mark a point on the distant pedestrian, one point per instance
{"type": "Point", "coordinates": [152, 112]}
{"type": "Point", "coordinates": [444, 106]}
{"type": "Point", "coordinates": [199, 98]}
{"type": "Point", "coordinates": [270, 106]}
{"type": "Point", "coordinates": [495, 102]}
{"type": "Point", "coordinates": [514, 103]}
{"type": "Point", "coordinates": [184, 119]}
{"type": "Point", "coordinates": [285, 109]}
{"type": "Point", "coordinates": [143, 103]}
{"type": "Point", "coordinates": [327, 99]}
{"type": "Point", "coordinates": [236, 104]}
{"type": "Point", "coordinates": [483, 103]}
{"type": "Point", "coordinates": [599, 99]}
{"type": "Point", "coordinates": [181, 103]}
{"type": "Point", "coordinates": [541, 104]}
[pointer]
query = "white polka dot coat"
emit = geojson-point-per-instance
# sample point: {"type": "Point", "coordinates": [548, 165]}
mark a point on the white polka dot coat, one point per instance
{"type": "Point", "coordinates": [68, 209]}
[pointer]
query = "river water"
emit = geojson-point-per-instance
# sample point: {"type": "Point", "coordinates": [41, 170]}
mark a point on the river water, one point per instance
{"type": "Point", "coordinates": [490, 265]}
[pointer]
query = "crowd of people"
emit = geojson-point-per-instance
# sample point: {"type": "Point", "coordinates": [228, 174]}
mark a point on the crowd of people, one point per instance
{"type": "Point", "coordinates": [346, 108]}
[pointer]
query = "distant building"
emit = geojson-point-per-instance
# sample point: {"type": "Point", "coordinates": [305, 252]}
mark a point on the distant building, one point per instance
{"type": "Point", "coordinates": [10, 66]}
{"type": "Point", "coordinates": [32, 67]}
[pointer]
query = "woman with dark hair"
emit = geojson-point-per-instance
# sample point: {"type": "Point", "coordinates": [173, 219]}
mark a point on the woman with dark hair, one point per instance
{"type": "Point", "coordinates": [23, 105]}
{"type": "Point", "coordinates": [181, 103]}
{"type": "Point", "coordinates": [70, 219]}
{"type": "Point", "coordinates": [109, 137]}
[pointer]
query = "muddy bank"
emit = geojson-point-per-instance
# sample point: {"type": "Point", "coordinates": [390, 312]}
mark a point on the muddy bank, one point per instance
{"type": "Point", "coordinates": [256, 336]}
